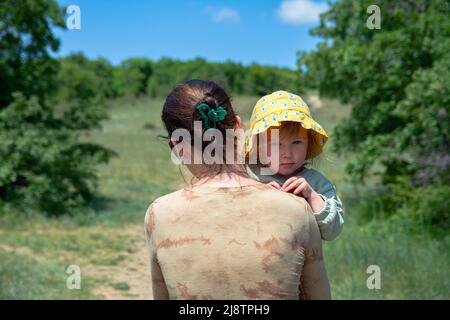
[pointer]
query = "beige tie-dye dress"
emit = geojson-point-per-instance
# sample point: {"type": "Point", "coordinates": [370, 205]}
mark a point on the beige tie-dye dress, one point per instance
{"type": "Point", "coordinates": [250, 242]}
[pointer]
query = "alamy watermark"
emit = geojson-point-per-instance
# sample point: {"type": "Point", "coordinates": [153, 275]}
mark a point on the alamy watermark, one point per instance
{"type": "Point", "coordinates": [374, 21]}
{"type": "Point", "coordinates": [73, 281]}
{"type": "Point", "coordinates": [374, 280]}
{"type": "Point", "coordinates": [73, 21]}
{"type": "Point", "coordinates": [223, 150]}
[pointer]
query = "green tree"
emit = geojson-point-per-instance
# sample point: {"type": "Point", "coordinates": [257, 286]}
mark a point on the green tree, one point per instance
{"type": "Point", "coordinates": [132, 75]}
{"type": "Point", "coordinates": [255, 79]}
{"type": "Point", "coordinates": [25, 41]}
{"type": "Point", "coordinates": [166, 74]}
{"type": "Point", "coordinates": [79, 76]}
{"type": "Point", "coordinates": [43, 163]}
{"type": "Point", "coordinates": [396, 79]}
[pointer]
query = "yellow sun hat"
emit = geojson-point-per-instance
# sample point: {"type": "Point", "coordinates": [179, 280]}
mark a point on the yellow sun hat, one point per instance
{"type": "Point", "coordinates": [271, 110]}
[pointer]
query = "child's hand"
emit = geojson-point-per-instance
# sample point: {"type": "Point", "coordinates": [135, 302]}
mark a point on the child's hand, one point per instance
{"type": "Point", "coordinates": [300, 187]}
{"type": "Point", "coordinates": [274, 184]}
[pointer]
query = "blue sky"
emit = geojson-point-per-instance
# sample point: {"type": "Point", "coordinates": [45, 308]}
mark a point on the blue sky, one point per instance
{"type": "Point", "coordinates": [268, 32]}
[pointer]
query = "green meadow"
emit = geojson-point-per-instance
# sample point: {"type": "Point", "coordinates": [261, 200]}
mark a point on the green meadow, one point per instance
{"type": "Point", "coordinates": [106, 239]}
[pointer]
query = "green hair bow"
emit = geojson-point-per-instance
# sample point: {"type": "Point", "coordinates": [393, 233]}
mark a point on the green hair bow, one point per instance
{"type": "Point", "coordinates": [211, 116]}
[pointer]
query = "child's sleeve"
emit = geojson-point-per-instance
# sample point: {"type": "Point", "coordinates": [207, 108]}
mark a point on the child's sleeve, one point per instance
{"type": "Point", "coordinates": [331, 218]}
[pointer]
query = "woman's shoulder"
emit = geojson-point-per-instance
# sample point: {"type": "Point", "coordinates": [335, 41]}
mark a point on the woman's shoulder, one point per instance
{"type": "Point", "coordinates": [287, 203]}
{"type": "Point", "coordinates": [162, 209]}
{"type": "Point", "coordinates": [165, 200]}
{"type": "Point", "coordinates": [258, 196]}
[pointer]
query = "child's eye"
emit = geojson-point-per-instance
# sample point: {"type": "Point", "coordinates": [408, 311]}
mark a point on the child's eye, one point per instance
{"type": "Point", "coordinates": [297, 142]}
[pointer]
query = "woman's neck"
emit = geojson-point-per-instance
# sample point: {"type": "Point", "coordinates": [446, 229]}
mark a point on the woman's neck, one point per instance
{"type": "Point", "coordinates": [227, 179]}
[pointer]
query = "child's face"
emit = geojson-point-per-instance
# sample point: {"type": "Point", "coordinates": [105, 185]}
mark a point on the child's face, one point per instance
{"type": "Point", "coordinates": [292, 152]}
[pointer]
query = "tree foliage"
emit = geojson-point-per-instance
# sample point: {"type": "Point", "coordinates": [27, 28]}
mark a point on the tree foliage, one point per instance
{"type": "Point", "coordinates": [43, 163]}
{"type": "Point", "coordinates": [396, 79]}
{"type": "Point", "coordinates": [142, 76]}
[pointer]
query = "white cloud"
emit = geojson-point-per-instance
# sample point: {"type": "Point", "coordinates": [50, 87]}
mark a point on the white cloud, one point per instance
{"type": "Point", "coordinates": [300, 11]}
{"type": "Point", "coordinates": [223, 14]}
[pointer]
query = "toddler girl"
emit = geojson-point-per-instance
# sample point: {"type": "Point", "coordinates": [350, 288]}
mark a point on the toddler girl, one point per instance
{"type": "Point", "coordinates": [300, 139]}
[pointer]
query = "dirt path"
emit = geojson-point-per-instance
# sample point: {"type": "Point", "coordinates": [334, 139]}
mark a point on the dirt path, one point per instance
{"type": "Point", "coordinates": [130, 278]}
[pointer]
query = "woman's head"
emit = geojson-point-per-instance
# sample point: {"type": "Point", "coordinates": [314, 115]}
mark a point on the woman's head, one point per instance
{"type": "Point", "coordinates": [181, 112]}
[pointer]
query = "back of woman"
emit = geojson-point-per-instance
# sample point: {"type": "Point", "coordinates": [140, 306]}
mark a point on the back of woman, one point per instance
{"type": "Point", "coordinates": [227, 236]}
{"type": "Point", "coordinates": [252, 242]}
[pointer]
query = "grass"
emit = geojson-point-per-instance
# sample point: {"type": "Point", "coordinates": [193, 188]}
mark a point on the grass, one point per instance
{"type": "Point", "coordinates": [411, 266]}
{"type": "Point", "coordinates": [22, 277]}
{"type": "Point", "coordinates": [105, 237]}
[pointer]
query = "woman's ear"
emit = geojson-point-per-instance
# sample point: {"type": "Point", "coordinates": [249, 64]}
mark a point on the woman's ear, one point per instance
{"type": "Point", "coordinates": [238, 124]}
{"type": "Point", "coordinates": [178, 148]}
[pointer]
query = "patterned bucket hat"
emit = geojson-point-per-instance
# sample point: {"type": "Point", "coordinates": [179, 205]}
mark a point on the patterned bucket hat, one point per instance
{"type": "Point", "coordinates": [271, 110]}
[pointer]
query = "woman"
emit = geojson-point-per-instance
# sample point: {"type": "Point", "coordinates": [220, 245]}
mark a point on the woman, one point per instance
{"type": "Point", "coordinates": [227, 236]}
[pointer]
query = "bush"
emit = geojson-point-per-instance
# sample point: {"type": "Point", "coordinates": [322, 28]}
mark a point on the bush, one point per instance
{"type": "Point", "coordinates": [43, 164]}
{"type": "Point", "coordinates": [401, 204]}
{"type": "Point", "coordinates": [397, 80]}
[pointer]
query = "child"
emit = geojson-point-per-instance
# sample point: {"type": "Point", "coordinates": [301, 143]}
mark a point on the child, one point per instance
{"type": "Point", "coordinates": [300, 140]}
